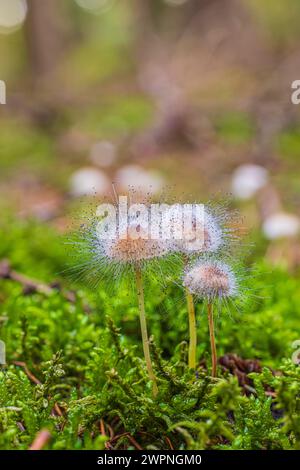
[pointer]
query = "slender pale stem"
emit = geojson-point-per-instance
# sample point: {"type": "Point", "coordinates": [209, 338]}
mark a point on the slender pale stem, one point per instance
{"type": "Point", "coordinates": [192, 329]}
{"type": "Point", "coordinates": [212, 340]}
{"type": "Point", "coordinates": [192, 324]}
{"type": "Point", "coordinates": [140, 293]}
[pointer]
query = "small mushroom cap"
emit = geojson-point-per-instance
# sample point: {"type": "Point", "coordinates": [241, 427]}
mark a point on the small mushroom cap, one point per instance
{"type": "Point", "coordinates": [211, 280]}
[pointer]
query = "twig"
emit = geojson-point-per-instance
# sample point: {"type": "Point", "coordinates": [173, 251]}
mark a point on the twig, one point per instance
{"type": "Point", "coordinates": [111, 431]}
{"type": "Point", "coordinates": [27, 372]}
{"type": "Point", "coordinates": [41, 439]}
{"type": "Point", "coordinates": [56, 409]}
{"type": "Point", "coordinates": [20, 426]}
{"type": "Point", "coordinates": [134, 442]}
{"type": "Point", "coordinates": [169, 442]}
{"type": "Point", "coordinates": [102, 427]}
{"type": "Point", "coordinates": [128, 436]}
{"type": "Point", "coordinates": [30, 286]}
{"type": "Point", "coordinates": [118, 436]}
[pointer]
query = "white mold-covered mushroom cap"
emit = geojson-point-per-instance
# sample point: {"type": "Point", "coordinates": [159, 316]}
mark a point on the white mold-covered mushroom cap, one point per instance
{"type": "Point", "coordinates": [132, 243]}
{"type": "Point", "coordinates": [200, 230]}
{"type": "Point", "coordinates": [211, 280]}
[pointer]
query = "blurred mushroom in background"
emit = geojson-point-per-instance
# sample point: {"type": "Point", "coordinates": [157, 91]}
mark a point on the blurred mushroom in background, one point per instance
{"type": "Point", "coordinates": [281, 225]}
{"type": "Point", "coordinates": [88, 181]}
{"type": "Point", "coordinates": [247, 180]}
{"type": "Point", "coordinates": [12, 15]}
{"type": "Point", "coordinates": [139, 179]}
{"type": "Point", "coordinates": [103, 153]}
{"type": "Point", "coordinates": [280, 228]}
{"type": "Point", "coordinates": [283, 230]}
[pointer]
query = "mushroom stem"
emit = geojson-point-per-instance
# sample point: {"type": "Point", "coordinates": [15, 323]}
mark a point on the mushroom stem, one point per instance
{"type": "Point", "coordinates": [140, 293]}
{"type": "Point", "coordinates": [192, 329]}
{"type": "Point", "coordinates": [212, 340]}
{"type": "Point", "coordinates": [192, 323]}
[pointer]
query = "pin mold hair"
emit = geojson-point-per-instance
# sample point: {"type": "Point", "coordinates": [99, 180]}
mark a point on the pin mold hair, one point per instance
{"type": "Point", "coordinates": [133, 244]}
{"type": "Point", "coordinates": [202, 235]}
{"type": "Point", "coordinates": [111, 259]}
{"type": "Point", "coordinates": [211, 279]}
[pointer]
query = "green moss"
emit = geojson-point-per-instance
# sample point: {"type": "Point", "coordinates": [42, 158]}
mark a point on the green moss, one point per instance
{"type": "Point", "coordinates": [234, 128]}
{"type": "Point", "coordinates": [87, 356]}
{"type": "Point", "coordinates": [23, 148]}
{"type": "Point", "coordinates": [280, 22]}
{"type": "Point", "coordinates": [116, 116]}
{"type": "Point", "coordinates": [105, 38]}
{"type": "Point", "coordinates": [288, 144]}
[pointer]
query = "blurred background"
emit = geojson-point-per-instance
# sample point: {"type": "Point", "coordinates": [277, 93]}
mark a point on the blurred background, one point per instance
{"type": "Point", "coordinates": [193, 95]}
